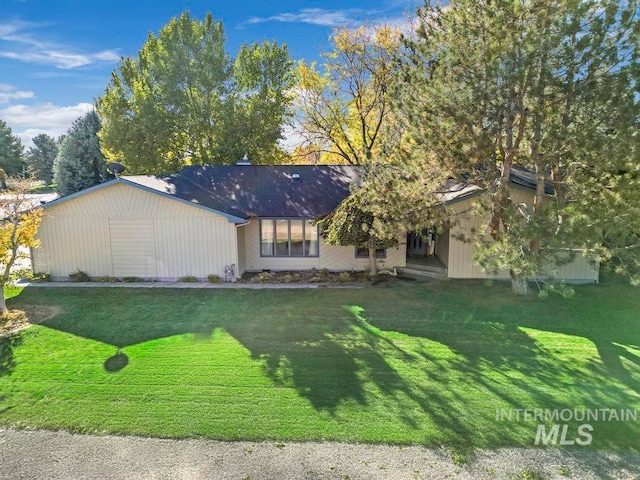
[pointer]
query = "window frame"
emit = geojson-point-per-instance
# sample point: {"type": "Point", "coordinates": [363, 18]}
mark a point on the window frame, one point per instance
{"type": "Point", "coordinates": [304, 221]}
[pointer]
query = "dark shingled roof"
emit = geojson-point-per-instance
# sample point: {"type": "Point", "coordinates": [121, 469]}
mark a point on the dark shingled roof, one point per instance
{"type": "Point", "coordinates": [259, 190]}
{"type": "Point", "coordinates": [526, 178]}
{"type": "Point", "coordinates": [244, 191]}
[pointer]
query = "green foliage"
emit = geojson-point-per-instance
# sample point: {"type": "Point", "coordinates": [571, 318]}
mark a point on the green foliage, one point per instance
{"type": "Point", "coordinates": [79, 276]}
{"type": "Point", "coordinates": [41, 277]}
{"type": "Point", "coordinates": [188, 279]}
{"type": "Point", "coordinates": [530, 474]}
{"type": "Point", "coordinates": [41, 156]}
{"type": "Point", "coordinates": [184, 101]}
{"type": "Point", "coordinates": [549, 86]}
{"type": "Point", "coordinates": [80, 163]}
{"type": "Point", "coordinates": [11, 150]}
{"type": "Point", "coordinates": [213, 278]}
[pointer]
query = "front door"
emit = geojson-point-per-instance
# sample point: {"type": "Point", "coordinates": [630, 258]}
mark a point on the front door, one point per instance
{"type": "Point", "coordinates": [416, 245]}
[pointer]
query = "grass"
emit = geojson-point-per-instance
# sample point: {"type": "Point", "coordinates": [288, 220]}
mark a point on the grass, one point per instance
{"type": "Point", "coordinates": [418, 364]}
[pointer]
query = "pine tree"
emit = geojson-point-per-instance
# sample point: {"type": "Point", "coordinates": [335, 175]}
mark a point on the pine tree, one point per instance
{"type": "Point", "coordinates": [41, 156]}
{"type": "Point", "coordinates": [549, 85]}
{"type": "Point", "coordinates": [11, 151]}
{"type": "Point", "coordinates": [80, 163]}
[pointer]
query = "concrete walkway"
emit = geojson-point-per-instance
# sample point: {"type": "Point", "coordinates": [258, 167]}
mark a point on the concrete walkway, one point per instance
{"type": "Point", "coordinates": [60, 455]}
{"type": "Point", "coordinates": [254, 286]}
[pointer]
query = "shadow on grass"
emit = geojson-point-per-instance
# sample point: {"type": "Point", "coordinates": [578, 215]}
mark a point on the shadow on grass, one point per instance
{"type": "Point", "coordinates": [344, 347]}
{"type": "Point", "coordinates": [7, 358]}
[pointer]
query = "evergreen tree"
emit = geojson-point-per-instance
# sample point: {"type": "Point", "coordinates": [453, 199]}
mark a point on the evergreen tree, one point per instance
{"type": "Point", "coordinates": [41, 156]}
{"type": "Point", "coordinates": [80, 163]}
{"type": "Point", "coordinates": [550, 85]}
{"type": "Point", "coordinates": [11, 151]}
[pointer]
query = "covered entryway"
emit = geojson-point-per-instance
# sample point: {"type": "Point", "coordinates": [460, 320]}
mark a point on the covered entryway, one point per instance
{"type": "Point", "coordinates": [421, 256]}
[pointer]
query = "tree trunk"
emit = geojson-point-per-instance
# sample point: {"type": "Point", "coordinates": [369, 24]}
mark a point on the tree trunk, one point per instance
{"type": "Point", "coordinates": [519, 284]}
{"type": "Point", "coordinates": [3, 304]}
{"type": "Point", "coordinates": [373, 264]}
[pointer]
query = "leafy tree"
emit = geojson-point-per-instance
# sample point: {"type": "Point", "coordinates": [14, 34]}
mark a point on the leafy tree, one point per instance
{"type": "Point", "coordinates": [41, 156]}
{"type": "Point", "coordinates": [344, 109]}
{"type": "Point", "coordinates": [17, 230]}
{"type": "Point", "coordinates": [344, 117]}
{"type": "Point", "coordinates": [183, 100]}
{"type": "Point", "coordinates": [11, 150]}
{"type": "Point", "coordinates": [80, 163]}
{"type": "Point", "coordinates": [549, 85]}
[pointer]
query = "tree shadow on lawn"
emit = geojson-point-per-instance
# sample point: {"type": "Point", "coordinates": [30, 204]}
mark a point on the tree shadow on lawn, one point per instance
{"type": "Point", "coordinates": [335, 353]}
{"type": "Point", "coordinates": [7, 347]}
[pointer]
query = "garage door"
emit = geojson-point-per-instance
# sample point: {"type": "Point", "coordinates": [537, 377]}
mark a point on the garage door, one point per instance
{"type": "Point", "coordinates": [132, 247]}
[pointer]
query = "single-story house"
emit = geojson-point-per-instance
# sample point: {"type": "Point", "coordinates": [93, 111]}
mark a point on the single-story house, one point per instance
{"type": "Point", "coordinates": [254, 217]}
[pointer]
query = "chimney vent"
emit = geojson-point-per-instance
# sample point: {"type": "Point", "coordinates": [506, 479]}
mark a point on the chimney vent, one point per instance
{"type": "Point", "coordinates": [244, 160]}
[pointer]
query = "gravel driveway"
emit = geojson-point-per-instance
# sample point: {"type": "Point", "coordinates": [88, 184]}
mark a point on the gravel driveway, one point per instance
{"type": "Point", "coordinates": [60, 455]}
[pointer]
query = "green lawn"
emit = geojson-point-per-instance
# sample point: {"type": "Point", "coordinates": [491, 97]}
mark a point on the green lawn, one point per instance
{"type": "Point", "coordinates": [413, 364]}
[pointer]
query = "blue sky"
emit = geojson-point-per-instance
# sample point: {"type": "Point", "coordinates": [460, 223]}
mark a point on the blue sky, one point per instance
{"type": "Point", "coordinates": [56, 56]}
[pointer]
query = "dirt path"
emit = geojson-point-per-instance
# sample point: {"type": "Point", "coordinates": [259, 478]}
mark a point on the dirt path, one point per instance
{"type": "Point", "coordinates": [60, 455]}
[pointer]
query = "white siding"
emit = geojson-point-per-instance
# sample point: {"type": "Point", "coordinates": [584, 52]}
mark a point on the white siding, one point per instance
{"type": "Point", "coordinates": [331, 257]}
{"type": "Point", "coordinates": [121, 230]}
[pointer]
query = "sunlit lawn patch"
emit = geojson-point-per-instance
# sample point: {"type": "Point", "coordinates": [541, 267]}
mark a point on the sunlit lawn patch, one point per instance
{"type": "Point", "coordinates": [417, 364]}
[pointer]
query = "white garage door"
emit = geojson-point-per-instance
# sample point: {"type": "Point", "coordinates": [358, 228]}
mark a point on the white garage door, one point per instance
{"type": "Point", "coordinates": [132, 247]}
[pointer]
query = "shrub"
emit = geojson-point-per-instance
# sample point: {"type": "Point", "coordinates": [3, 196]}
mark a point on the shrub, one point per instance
{"type": "Point", "coordinates": [79, 276]}
{"type": "Point", "coordinates": [213, 278]}
{"type": "Point", "coordinates": [345, 277]}
{"type": "Point", "coordinates": [41, 277]}
{"type": "Point", "coordinates": [188, 279]}
{"type": "Point", "coordinates": [132, 279]}
{"type": "Point", "coordinates": [105, 279]}
{"type": "Point", "coordinates": [263, 277]}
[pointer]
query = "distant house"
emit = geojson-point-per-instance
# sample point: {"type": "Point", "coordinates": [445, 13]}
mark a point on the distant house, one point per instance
{"type": "Point", "coordinates": [254, 217]}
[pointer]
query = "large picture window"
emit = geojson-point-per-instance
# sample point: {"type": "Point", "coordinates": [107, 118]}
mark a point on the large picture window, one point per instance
{"type": "Point", "coordinates": [288, 238]}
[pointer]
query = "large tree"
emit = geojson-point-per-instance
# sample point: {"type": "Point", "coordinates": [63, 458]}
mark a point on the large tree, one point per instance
{"type": "Point", "coordinates": [11, 151]}
{"type": "Point", "coordinates": [344, 107]}
{"type": "Point", "coordinates": [183, 100]}
{"type": "Point", "coordinates": [550, 85]}
{"type": "Point", "coordinates": [80, 163]}
{"type": "Point", "coordinates": [18, 230]}
{"type": "Point", "coordinates": [41, 156]}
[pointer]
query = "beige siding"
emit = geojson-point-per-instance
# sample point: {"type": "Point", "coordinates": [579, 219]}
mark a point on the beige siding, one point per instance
{"type": "Point", "coordinates": [461, 264]}
{"type": "Point", "coordinates": [331, 257]}
{"type": "Point", "coordinates": [132, 247]}
{"type": "Point", "coordinates": [242, 264]}
{"type": "Point", "coordinates": [121, 230]}
{"type": "Point", "coordinates": [442, 247]}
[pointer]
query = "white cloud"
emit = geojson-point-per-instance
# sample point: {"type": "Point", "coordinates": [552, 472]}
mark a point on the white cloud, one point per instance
{"type": "Point", "coordinates": [22, 45]}
{"type": "Point", "coordinates": [27, 121]}
{"type": "Point", "coordinates": [318, 16]}
{"type": "Point", "coordinates": [9, 92]}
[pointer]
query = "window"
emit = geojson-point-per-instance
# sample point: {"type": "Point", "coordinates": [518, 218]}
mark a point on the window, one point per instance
{"type": "Point", "coordinates": [288, 238]}
{"type": "Point", "coordinates": [364, 253]}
